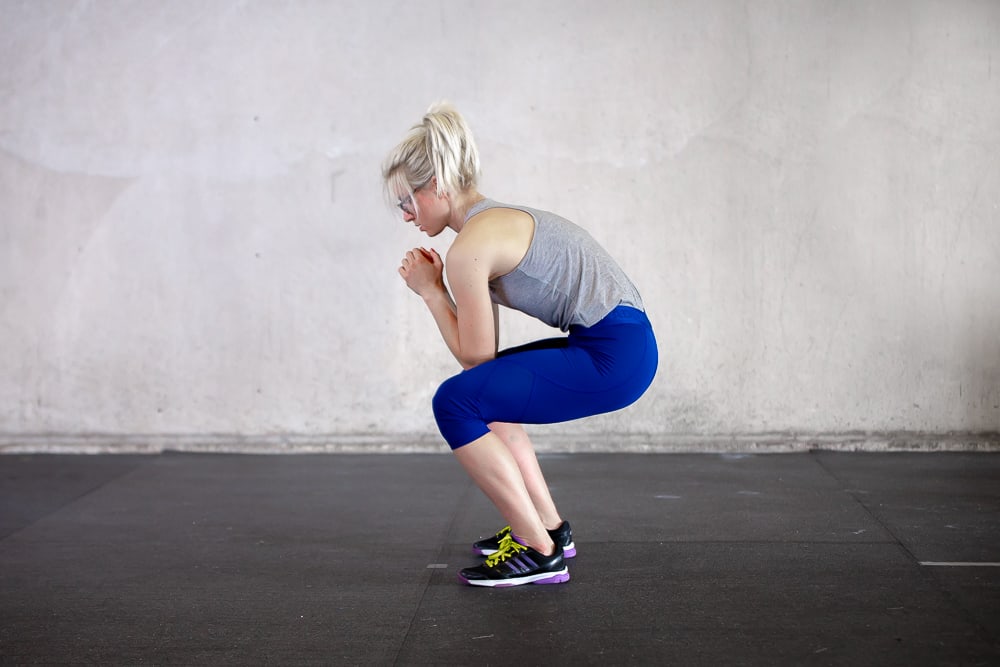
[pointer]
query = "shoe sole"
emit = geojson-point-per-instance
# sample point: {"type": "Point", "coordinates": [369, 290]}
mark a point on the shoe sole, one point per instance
{"type": "Point", "coordinates": [560, 577]}
{"type": "Point", "coordinates": [569, 551]}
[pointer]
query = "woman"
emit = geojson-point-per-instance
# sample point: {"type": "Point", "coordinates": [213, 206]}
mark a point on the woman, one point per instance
{"type": "Point", "coordinates": [546, 267]}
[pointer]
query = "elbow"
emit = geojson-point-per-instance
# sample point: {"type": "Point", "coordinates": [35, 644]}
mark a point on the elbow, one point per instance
{"type": "Point", "coordinates": [472, 360]}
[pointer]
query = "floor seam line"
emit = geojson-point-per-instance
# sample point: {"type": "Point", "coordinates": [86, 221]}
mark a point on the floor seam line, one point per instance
{"type": "Point", "coordinates": [928, 574]}
{"type": "Point", "coordinates": [874, 517]}
{"type": "Point", "coordinates": [80, 496]}
{"type": "Point", "coordinates": [431, 573]}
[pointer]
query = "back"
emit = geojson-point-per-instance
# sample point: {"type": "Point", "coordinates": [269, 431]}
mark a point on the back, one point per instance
{"type": "Point", "coordinates": [566, 278]}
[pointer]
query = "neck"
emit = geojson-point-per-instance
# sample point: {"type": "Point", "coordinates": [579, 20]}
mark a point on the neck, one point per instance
{"type": "Point", "coordinates": [460, 205]}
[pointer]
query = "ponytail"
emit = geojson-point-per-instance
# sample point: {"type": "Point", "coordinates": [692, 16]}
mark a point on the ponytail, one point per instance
{"type": "Point", "coordinates": [441, 145]}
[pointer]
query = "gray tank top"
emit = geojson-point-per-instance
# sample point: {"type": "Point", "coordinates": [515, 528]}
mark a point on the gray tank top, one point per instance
{"type": "Point", "coordinates": [566, 278]}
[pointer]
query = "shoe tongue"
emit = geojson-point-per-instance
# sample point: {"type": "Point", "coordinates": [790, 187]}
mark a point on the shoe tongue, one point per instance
{"type": "Point", "coordinates": [518, 540]}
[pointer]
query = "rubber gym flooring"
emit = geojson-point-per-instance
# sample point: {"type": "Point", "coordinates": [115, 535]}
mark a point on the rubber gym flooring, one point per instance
{"type": "Point", "coordinates": [684, 559]}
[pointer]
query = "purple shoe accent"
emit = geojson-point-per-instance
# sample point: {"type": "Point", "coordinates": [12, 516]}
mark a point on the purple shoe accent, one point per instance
{"type": "Point", "coordinates": [523, 564]}
{"type": "Point", "coordinates": [560, 578]}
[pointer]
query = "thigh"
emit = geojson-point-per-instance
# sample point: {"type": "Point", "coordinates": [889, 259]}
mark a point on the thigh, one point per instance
{"type": "Point", "coordinates": [558, 380]}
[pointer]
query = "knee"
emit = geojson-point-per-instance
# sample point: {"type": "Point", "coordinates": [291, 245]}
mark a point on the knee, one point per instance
{"type": "Point", "coordinates": [444, 402]}
{"type": "Point", "coordinates": [456, 413]}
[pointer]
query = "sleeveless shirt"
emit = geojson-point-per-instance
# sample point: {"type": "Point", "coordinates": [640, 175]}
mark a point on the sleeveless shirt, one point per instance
{"type": "Point", "coordinates": [566, 278]}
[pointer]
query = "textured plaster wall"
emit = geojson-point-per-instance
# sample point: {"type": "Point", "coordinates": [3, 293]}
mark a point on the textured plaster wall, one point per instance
{"type": "Point", "coordinates": [194, 247]}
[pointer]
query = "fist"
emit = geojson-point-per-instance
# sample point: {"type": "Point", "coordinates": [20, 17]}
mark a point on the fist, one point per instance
{"type": "Point", "coordinates": [422, 270]}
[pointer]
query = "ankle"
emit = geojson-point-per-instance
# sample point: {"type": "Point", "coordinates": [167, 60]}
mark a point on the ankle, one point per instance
{"type": "Point", "coordinates": [546, 551]}
{"type": "Point", "coordinates": [546, 548]}
{"type": "Point", "coordinates": [552, 525]}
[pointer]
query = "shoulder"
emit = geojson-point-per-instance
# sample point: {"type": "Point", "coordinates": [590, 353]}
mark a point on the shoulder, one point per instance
{"type": "Point", "coordinates": [495, 236]}
{"type": "Point", "coordinates": [495, 229]}
{"type": "Point", "coordinates": [473, 248]}
{"type": "Point", "coordinates": [495, 222]}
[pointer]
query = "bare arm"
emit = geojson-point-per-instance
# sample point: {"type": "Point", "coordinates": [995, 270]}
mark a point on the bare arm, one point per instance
{"type": "Point", "coordinates": [469, 266]}
{"type": "Point", "coordinates": [422, 271]}
{"type": "Point", "coordinates": [490, 244]}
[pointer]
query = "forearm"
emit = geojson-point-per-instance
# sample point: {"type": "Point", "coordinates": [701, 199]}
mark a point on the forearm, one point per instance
{"type": "Point", "coordinates": [445, 315]}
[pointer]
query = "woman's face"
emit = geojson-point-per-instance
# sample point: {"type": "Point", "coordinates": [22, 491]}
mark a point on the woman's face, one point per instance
{"type": "Point", "coordinates": [425, 209]}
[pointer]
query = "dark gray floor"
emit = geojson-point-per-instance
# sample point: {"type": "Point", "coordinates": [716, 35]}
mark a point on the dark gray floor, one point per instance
{"type": "Point", "coordinates": [684, 559]}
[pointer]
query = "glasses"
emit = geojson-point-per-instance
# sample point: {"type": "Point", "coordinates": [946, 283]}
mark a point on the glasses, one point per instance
{"type": "Point", "coordinates": [405, 204]}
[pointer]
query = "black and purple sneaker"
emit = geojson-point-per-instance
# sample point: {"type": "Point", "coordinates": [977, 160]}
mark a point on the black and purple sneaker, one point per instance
{"type": "Point", "coordinates": [562, 536]}
{"type": "Point", "coordinates": [514, 564]}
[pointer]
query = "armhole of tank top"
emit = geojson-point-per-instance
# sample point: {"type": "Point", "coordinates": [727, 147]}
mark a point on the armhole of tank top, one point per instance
{"type": "Point", "coordinates": [531, 241]}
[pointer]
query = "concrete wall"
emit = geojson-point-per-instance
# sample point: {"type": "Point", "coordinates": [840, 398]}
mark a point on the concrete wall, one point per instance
{"type": "Point", "coordinates": [194, 249]}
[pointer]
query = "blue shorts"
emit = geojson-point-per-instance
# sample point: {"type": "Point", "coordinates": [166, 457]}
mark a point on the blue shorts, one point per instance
{"type": "Point", "coordinates": [593, 370]}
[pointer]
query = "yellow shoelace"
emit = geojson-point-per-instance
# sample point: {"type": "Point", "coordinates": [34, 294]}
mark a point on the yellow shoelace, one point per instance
{"type": "Point", "coordinates": [508, 549]}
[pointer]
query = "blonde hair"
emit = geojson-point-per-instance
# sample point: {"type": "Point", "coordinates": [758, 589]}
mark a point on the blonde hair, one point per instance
{"type": "Point", "coordinates": [440, 145]}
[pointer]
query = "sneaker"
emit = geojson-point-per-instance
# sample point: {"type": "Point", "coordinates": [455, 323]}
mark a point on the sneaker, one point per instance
{"type": "Point", "coordinates": [562, 536]}
{"type": "Point", "coordinates": [514, 564]}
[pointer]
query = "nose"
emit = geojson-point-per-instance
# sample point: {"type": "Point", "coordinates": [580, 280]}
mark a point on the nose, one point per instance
{"type": "Point", "coordinates": [408, 217]}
